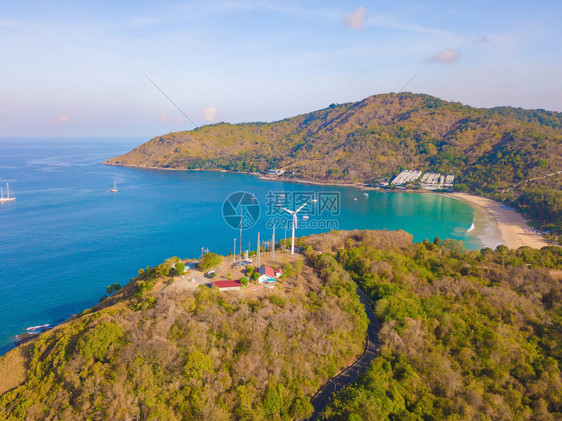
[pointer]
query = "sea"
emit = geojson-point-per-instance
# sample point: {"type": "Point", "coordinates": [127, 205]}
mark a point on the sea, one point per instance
{"type": "Point", "coordinates": [67, 236]}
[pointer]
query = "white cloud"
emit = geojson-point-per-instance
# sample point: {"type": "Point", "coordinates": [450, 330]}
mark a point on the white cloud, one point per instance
{"type": "Point", "coordinates": [61, 119]}
{"type": "Point", "coordinates": [447, 56]}
{"type": "Point", "coordinates": [357, 19]}
{"type": "Point", "coordinates": [209, 114]}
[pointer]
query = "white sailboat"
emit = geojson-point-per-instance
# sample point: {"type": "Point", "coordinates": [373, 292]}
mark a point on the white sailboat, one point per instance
{"type": "Point", "coordinates": [9, 194]}
{"type": "Point", "coordinates": [114, 189]}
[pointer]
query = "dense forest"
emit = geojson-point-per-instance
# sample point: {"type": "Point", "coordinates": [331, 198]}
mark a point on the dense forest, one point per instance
{"type": "Point", "coordinates": [505, 153]}
{"type": "Point", "coordinates": [465, 335]}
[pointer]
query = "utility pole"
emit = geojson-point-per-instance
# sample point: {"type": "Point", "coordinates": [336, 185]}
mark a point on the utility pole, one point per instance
{"type": "Point", "coordinates": [234, 253]}
{"type": "Point", "coordinates": [273, 244]}
{"type": "Point", "coordinates": [259, 255]}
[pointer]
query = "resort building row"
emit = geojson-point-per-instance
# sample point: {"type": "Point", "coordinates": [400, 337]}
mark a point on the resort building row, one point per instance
{"type": "Point", "coordinates": [428, 181]}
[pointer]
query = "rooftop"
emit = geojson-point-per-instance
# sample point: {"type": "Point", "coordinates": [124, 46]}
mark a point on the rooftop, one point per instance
{"type": "Point", "coordinates": [266, 270]}
{"type": "Point", "coordinates": [226, 284]}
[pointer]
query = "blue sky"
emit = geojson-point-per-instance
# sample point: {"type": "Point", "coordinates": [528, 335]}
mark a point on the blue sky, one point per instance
{"type": "Point", "coordinates": [76, 69]}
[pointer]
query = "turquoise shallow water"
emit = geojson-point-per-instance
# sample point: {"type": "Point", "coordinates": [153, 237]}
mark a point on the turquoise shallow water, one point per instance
{"type": "Point", "coordinates": [66, 237]}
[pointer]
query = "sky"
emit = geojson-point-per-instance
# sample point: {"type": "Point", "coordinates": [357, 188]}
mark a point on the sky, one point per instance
{"type": "Point", "coordinates": [145, 68]}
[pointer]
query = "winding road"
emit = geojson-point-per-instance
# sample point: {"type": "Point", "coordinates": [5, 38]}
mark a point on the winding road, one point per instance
{"type": "Point", "coordinates": [324, 396]}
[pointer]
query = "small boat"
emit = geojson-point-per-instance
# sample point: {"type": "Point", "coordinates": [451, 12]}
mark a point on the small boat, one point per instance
{"type": "Point", "coordinates": [366, 194]}
{"type": "Point", "coordinates": [9, 194]}
{"type": "Point", "coordinates": [114, 189]}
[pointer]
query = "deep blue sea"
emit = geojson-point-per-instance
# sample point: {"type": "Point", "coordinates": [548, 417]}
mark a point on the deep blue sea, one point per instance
{"type": "Point", "coordinates": [67, 237]}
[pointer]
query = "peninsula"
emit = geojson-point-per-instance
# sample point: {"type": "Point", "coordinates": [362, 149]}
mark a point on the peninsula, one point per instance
{"type": "Point", "coordinates": [462, 333]}
{"type": "Point", "coordinates": [507, 154]}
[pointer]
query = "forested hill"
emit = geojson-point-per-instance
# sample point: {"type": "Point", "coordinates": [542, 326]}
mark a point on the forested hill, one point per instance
{"type": "Point", "coordinates": [465, 335]}
{"type": "Point", "coordinates": [491, 151]}
{"type": "Point", "coordinates": [160, 350]}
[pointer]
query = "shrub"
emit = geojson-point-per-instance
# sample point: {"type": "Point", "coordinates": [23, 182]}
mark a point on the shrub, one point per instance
{"type": "Point", "coordinates": [112, 288]}
{"type": "Point", "coordinates": [180, 268]}
{"type": "Point", "coordinates": [288, 269]}
{"type": "Point", "coordinates": [277, 300]}
{"type": "Point", "coordinates": [97, 341]}
{"type": "Point", "coordinates": [209, 260]}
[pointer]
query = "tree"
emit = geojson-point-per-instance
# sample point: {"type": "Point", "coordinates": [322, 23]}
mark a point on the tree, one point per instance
{"type": "Point", "coordinates": [209, 260]}
{"type": "Point", "coordinates": [163, 269]}
{"type": "Point", "coordinates": [249, 270]}
{"type": "Point", "coordinates": [112, 288]}
{"type": "Point", "coordinates": [180, 268]}
{"type": "Point", "coordinates": [198, 364]}
{"type": "Point", "coordinates": [244, 281]}
{"type": "Point", "coordinates": [97, 342]}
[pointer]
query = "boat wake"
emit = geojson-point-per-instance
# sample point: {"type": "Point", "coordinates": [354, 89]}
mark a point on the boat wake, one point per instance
{"type": "Point", "coordinates": [471, 227]}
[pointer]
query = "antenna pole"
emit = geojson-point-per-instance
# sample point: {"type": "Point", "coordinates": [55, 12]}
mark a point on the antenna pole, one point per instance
{"type": "Point", "coordinates": [259, 254]}
{"type": "Point", "coordinates": [273, 243]}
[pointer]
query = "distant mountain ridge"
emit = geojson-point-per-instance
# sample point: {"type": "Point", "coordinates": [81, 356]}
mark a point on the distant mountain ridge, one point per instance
{"type": "Point", "coordinates": [490, 151]}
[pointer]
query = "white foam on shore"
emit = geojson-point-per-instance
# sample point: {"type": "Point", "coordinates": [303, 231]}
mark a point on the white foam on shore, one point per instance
{"type": "Point", "coordinates": [484, 228]}
{"type": "Point", "coordinates": [32, 328]}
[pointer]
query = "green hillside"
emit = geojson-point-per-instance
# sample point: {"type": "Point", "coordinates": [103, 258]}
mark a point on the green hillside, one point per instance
{"type": "Point", "coordinates": [465, 335]}
{"type": "Point", "coordinates": [154, 352]}
{"type": "Point", "coordinates": [492, 152]}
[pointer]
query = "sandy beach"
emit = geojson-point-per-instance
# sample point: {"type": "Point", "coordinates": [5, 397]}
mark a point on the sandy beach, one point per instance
{"type": "Point", "coordinates": [511, 225]}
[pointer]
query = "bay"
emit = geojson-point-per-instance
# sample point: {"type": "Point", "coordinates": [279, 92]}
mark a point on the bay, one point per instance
{"type": "Point", "coordinates": [67, 237]}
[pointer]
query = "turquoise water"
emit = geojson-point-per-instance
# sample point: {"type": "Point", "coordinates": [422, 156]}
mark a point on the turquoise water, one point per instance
{"type": "Point", "coordinates": [66, 237]}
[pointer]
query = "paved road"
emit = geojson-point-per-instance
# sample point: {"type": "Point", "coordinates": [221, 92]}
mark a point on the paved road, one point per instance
{"type": "Point", "coordinates": [348, 376]}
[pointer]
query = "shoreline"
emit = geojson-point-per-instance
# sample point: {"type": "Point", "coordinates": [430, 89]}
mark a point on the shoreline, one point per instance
{"type": "Point", "coordinates": [510, 224]}
{"type": "Point", "coordinates": [497, 224]}
{"type": "Point", "coordinates": [256, 174]}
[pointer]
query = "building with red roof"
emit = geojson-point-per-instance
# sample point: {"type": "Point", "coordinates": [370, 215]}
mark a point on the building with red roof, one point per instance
{"type": "Point", "coordinates": [267, 276]}
{"type": "Point", "coordinates": [229, 285]}
{"type": "Point", "coordinates": [266, 270]}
